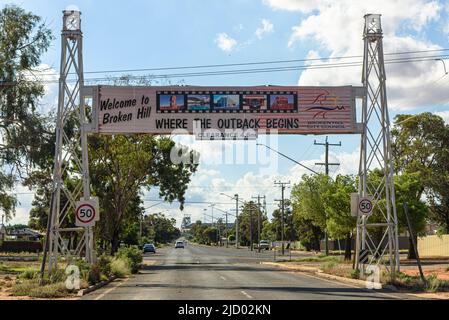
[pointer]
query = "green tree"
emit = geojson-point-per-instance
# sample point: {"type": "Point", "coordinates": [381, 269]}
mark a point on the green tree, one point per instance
{"type": "Point", "coordinates": [307, 232]}
{"type": "Point", "coordinates": [120, 166]}
{"type": "Point", "coordinates": [248, 223]}
{"type": "Point", "coordinates": [408, 188]}
{"type": "Point", "coordinates": [420, 149]}
{"type": "Point", "coordinates": [337, 202]}
{"type": "Point", "coordinates": [273, 230]}
{"type": "Point", "coordinates": [308, 200]}
{"type": "Point", "coordinates": [159, 228]}
{"type": "Point", "coordinates": [24, 132]}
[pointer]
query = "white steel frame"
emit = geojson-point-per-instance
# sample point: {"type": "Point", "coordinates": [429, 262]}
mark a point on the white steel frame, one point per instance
{"type": "Point", "coordinates": [375, 151]}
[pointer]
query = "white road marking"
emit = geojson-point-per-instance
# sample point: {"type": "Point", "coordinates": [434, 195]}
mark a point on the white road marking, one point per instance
{"type": "Point", "coordinates": [110, 289]}
{"type": "Point", "coordinates": [247, 295]}
{"type": "Point", "coordinates": [223, 278]}
{"type": "Point", "coordinates": [348, 285]}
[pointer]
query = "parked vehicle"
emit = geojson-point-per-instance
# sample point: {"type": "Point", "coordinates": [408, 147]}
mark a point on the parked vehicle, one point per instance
{"type": "Point", "coordinates": [179, 244]}
{"type": "Point", "coordinates": [264, 244]}
{"type": "Point", "coordinates": [149, 247]}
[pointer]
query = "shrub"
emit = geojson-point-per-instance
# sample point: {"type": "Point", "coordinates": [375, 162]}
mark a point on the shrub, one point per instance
{"type": "Point", "coordinates": [57, 275]}
{"type": "Point", "coordinates": [355, 274]}
{"type": "Point", "coordinates": [104, 263]}
{"type": "Point", "coordinates": [328, 265]}
{"type": "Point", "coordinates": [120, 267]}
{"type": "Point", "coordinates": [23, 288]}
{"type": "Point", "coordinates": [433, 283]}
{"type": "Point", "coordinates": [94, 275]}
{"type": "Point", "coordinates": [20, 246]}
{"type": "Point", "coordinates": [29, 274]}
{"type": "Point", "coordinates": [55, 290]}
{"type": "Point", "coordinates": [134, 256]}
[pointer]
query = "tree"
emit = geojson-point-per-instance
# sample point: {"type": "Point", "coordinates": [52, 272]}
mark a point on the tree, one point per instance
{"type": "Point", "coordinates": [337, 202]}
{"type": "Point", "coordinates": [272, 230]}
{"type": "Point", "coordinates": [420, 145]}
{"type": "Point", "coordinates": [308, 233]}
{"type": "Point", "coordinates": [24, 133]}
{"type": "Point", "coordinates": [120, 166]}
{"type": "Point", "coordinates": [159, 228]}
{"type": "Point", "coordinates": [308, 200]}
{"type": "Point", "coordinates": [408, 188]}
{"type": "Point", "coordinates": [248, 223]}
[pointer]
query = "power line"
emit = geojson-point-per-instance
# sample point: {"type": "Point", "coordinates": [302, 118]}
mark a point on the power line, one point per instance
{"type": "Point", "coordinates": [251, 71]}
{"type": "Point", "coordinates": [252, 63]}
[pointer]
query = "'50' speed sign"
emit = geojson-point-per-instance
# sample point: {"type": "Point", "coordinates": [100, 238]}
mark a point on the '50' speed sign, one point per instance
{"type": "Point", "coordinates": [365, 206]}
{"type": "Point", "coordinates": [86, 213]}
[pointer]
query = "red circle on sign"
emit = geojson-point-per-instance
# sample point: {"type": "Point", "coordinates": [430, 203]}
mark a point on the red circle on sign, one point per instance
{"type": "Point", "coordinates": [365, 210]}
{"type": "Point", "coordinates": [93, 213]}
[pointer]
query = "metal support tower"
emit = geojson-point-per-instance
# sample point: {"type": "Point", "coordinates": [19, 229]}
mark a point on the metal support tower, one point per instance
{"type": "Point", "coordinates": [70, 149]}
{"type": "Point", "coordinates": [375, 154]}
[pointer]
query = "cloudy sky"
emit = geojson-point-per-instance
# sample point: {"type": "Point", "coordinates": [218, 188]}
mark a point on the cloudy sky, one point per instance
{"type": "Point", "coordinates": [149, 34]}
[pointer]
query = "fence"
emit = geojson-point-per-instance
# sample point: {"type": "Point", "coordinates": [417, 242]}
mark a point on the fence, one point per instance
{"type": "Point", "coordinates": [434, 246]}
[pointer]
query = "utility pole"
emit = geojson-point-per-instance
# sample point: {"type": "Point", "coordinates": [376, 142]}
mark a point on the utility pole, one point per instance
{"type": "Point", "coordinates": [326, 164]}
{"type": "Point", "coordinates": [250, 226]}
{"type": "Point", "coordinates": [258, 219]}
{"type": "Point", "coordinates": [236, 220]}
{"type": "Point", "coordinates": [282, 185]}
{"type": "Point", "coordinates": [226, 230]}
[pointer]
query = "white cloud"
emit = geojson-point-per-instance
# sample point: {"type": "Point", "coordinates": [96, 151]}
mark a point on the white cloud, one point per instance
{"type": "Point", "coordinates": [225, 42]}
{"type": "Point", "coordinates": [265, 28]}
{"type": "Point", "coordinates": [444, 115]}
{"type": "Point", "coordinates": [337, 29]}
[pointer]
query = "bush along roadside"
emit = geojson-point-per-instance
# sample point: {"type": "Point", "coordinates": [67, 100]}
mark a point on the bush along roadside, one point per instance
{"type": "Point", "coordinates": [66, 282]}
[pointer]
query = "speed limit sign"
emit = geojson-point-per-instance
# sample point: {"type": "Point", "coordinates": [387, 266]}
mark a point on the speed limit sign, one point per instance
{"type": "Point", "coordinates": [86, 213]}
{"type": "Point", "coordinates": [365, 206]}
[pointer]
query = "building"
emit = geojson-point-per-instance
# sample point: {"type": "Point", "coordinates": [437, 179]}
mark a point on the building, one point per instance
{"type": "Point", "coordinates": [25, 234]}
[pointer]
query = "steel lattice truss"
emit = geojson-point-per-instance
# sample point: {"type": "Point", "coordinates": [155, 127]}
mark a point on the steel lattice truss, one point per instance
{"type": "Point", "coordinates": [69, 155]}
{"type": "Point", "coordinates": [378, 233]}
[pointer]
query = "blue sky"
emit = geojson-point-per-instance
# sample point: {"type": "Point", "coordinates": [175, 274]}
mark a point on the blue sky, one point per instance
{"type": "Point", "coordinates": [150, 34]}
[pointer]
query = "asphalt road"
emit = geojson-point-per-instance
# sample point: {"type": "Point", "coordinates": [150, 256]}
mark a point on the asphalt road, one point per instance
{"type": "Point", "coordinates": [199, 272]}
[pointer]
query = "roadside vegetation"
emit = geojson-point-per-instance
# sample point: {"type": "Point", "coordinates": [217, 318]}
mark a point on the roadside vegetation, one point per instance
{"type": "Point", "coordinates": [19, 279]}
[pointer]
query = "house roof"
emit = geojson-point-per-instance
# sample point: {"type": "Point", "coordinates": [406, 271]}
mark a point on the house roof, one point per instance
{"type": "Point", "coordinates": [24, 232]}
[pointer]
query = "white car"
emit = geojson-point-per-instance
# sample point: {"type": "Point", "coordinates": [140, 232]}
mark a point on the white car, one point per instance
{"type": "Point", "coordinates": [179, 244]}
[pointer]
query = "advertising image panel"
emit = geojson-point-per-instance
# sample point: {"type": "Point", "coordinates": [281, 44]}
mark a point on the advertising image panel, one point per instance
{"type": "Point", "coordinates": [226, 101]}
{"type": "Point", "coordinates": [198, 102]}
{"type": "Point", "coordinates": [173, 102]}
{"type": "Point", "coordinates": [254, 102]}
{"type": "Point", "coordinates": [282, 102]}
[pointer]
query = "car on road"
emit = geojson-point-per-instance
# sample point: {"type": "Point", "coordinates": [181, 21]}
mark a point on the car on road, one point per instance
{"type": "Point", "coordinates": [179, 244]}
{"type": "Point", "coordinates": [149, 247]}
{"type": "Point", "coordinates": [264, 244]}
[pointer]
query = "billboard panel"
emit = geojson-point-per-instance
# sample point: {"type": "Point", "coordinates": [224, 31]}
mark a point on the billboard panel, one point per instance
{"type": "Point", "coordinates": [287, 109]}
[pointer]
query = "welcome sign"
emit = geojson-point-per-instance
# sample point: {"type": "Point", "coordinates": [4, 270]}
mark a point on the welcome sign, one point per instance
{"type": "Point", "coordinates": [220, 110]}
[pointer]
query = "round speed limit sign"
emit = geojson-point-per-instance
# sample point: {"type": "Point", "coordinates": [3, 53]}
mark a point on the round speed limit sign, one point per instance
{"type": "Point", "coordinates": [365, 206]}
{"type": "Point", "coordinates": [85, 215]}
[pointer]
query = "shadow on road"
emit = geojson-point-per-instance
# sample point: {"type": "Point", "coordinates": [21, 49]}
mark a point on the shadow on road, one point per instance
{"type": "Point", "coordinates": [209, 266]}
{"type": "Point", "coordinates": [338, 292]}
